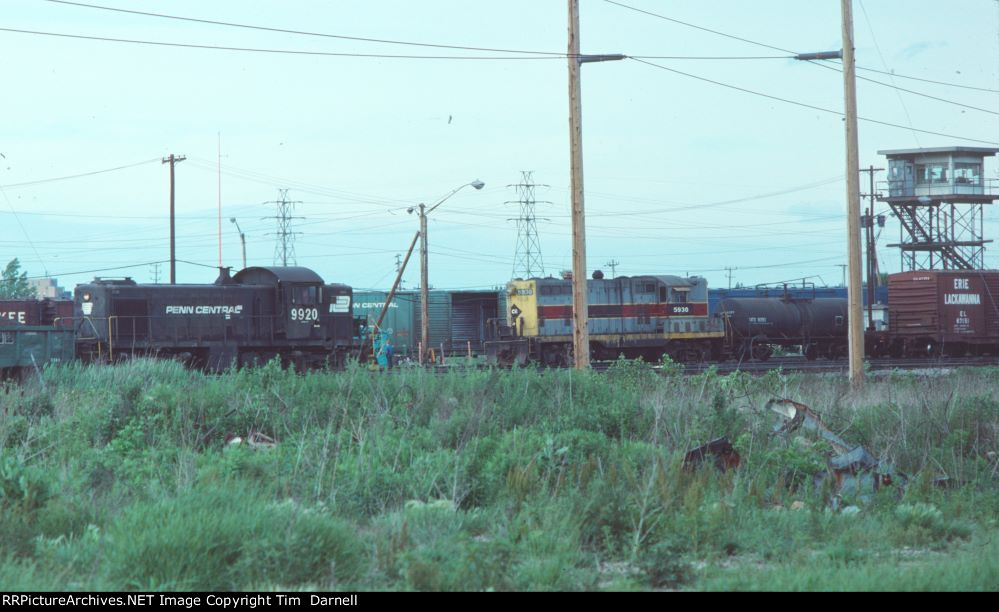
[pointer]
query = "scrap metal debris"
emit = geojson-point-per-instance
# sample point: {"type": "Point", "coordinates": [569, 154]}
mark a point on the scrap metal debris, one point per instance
{"type": "Point", "coordinates": [254, 439]}
{"type": "Point", "coordinates": [853, 469]}
{"type": "Point", "coordinates": [799, 415]}
{"type": "Point", "coordinates": [721, 450]}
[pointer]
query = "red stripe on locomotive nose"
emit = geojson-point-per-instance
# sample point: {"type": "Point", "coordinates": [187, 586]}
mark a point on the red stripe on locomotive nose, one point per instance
{"type": "Point", "coordinates": [610, 311]}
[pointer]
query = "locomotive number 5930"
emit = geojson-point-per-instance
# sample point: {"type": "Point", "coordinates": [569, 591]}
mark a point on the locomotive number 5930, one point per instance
{"type": "Point", "coordinates": [304, 314]}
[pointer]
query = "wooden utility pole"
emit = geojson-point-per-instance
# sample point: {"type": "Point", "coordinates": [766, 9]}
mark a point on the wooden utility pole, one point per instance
{"type": "Point", "coordinates": [424, 290]}
{"type": "Point", "coordinates": [172, 160]}
{"type": "Point", "coordinates": [872, 253]}
{"type": "Point", "coordinates": [855, 314]}
{"type": "Point", "coordinates": [580, 333]}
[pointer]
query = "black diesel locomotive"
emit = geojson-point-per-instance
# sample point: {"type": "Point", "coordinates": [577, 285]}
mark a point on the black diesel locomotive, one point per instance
{"type": "Point", "coordinates": [249, 318]}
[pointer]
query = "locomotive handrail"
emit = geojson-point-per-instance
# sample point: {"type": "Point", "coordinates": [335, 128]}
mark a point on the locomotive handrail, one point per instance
{"type": "Point", "coordinates": [111, 340]}
{"type": "Point", "coordinates": [97, 335]}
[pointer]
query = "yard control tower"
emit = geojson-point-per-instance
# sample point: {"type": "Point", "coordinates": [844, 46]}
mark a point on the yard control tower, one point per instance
{"type": "Point", "coordinates": [937, 194]}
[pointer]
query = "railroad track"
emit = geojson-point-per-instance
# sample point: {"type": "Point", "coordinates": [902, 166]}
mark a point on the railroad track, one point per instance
{"type": "Point", "coordinates": [800, 364]}
{"type": "Point", "coordinates": [789, 364]}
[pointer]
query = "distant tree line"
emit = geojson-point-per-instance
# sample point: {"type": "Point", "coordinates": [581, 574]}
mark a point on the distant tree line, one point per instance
{"type": "Point", "coordinates": [14, 284]}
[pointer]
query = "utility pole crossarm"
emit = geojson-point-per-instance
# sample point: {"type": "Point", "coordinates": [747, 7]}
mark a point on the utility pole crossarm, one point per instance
{"type": "Point", "coordinates": [820, 55]}
{"type": "Point", "coordinates": [606, 57]}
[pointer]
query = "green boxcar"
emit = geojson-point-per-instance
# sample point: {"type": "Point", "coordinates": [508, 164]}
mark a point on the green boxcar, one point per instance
{"type": "Point", "coordinates": [457, 318]}
{"type": "Point", "coordinates": [28, 346]}
{"type": "Point", "coordinates": [399, 320]}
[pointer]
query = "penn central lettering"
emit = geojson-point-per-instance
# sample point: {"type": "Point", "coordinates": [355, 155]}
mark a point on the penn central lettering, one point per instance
{"type": "Point", "coordinates": [204, 310]}
{"type": "Point", "coordinates": [962, 299]}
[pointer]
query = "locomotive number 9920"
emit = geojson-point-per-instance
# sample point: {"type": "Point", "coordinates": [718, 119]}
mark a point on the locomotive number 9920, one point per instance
{"type": "Point", "coordinates": [304, 314]}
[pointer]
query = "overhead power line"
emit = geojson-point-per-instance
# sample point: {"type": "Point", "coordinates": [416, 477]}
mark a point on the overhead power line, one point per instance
{"type": "Point", "coordinates": [811, 106]}
{"type": "Point", "coordinates": [142, 265]}
{"type": "Point", "coordinates": [278, 51]}
{"type": "Point", "coordinates": [766, 46]}
{"type": "Point", "coordinates": [838, 68]}
{"type": "Point", "coordinates": [73, 176]}
{"type": "Point", "coordinates": [912, 78]}
{"type": "Point", "coordinates": [302, 52]}
{"type": "Point", "coordinates": [306, 33]}
{"type": "Point", "coordinates": [697, 27]}
{"type": "Point", "coordinates": [386, 41]}
{"type": "Point", "coordinates": [898, 93]}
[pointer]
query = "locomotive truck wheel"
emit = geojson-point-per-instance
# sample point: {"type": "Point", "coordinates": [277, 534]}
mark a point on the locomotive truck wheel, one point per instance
{"type": "Point", "coordinates": [956, 349]}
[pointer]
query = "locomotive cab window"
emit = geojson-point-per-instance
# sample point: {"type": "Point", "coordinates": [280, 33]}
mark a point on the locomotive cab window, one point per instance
{"type": "Point", "coordinates": [305, 295]}
{"type": "Point", "coordinates": [556, 290]}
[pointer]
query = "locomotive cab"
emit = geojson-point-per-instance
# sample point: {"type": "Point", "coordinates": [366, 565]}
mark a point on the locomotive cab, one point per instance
{"type": "Point", "coordinates": [299, 300]}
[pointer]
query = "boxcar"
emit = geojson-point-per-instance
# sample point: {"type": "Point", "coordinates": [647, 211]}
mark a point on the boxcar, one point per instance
{"type": "Point", "coordinates": [36, 312]}
{"type": "Point", "coordinates": [951, 312]}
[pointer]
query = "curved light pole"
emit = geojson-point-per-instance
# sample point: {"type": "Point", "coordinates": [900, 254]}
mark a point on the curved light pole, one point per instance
{"type": "Point", "coordinates": [242, 238]}
{"type": "Point", "coordinates": [424, 290]}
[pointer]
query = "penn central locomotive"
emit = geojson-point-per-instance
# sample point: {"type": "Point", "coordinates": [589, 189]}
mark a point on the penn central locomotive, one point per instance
{"type": "Point", "coordinates": [249, 318]}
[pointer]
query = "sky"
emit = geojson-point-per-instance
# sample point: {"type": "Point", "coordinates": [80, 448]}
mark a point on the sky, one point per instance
{"type": "Point", "coordinates": [691, 166]}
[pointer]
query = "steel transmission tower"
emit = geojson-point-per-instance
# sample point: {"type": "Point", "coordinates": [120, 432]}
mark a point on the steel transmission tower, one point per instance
{"type": "Point", "coordinates": [527, 262]}
{"type": "Point", "coordinates": [284, 248]}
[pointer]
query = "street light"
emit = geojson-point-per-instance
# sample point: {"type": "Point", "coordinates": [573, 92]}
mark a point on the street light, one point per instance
{"type": "Point", "coordinates": [242, 238]}
{"type": "Point", "coordinates": [424, 291]}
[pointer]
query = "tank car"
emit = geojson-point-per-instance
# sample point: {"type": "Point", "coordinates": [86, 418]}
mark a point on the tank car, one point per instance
{"type": "Point", "coordinates": [638, 317]}
{"type": "Point", "coordinates": [754, 325]}
{"type": "Point", "coordinates": [249, 318]}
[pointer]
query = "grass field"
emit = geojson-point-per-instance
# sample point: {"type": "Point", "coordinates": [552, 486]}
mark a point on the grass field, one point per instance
{"type": "Point", "coordinates": [119, 477]}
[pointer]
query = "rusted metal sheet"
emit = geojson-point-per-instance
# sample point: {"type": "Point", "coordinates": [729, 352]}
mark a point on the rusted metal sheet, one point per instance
{"type": "Point", "coordinates": [854, 470]}
{"type": "Point", "coordinates": [799, 415]}
{"type": "Point", "coordinates": [721, 452]}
